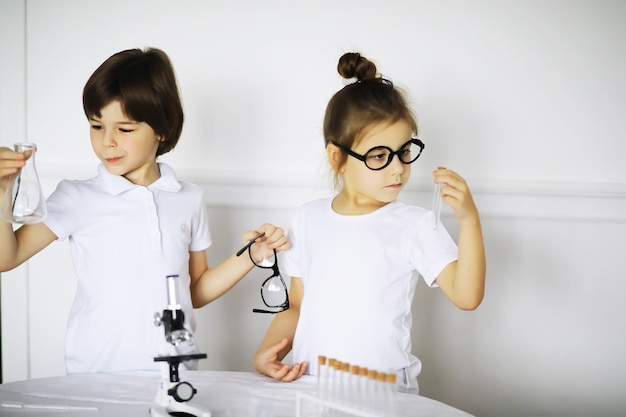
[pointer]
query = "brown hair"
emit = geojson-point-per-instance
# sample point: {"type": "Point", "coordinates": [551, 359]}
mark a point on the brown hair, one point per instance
{"type": "Point", "coordinates": [368, 101]}
{"type": "Point", "coordinates": [144, 83]}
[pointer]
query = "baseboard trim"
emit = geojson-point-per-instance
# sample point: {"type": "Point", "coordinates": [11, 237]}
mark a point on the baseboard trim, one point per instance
{"type": "Point", "coordinates": [597, 202]}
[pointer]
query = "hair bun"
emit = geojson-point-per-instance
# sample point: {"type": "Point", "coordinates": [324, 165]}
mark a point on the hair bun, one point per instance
{"type": "Point", "coordinates": [354, 66]}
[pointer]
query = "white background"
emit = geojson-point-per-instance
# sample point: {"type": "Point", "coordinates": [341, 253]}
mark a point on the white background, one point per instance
{"type": "Point", "coordinates": [526, 99]}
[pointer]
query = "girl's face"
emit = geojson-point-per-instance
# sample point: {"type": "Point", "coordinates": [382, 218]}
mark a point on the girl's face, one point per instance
{"type": "Point", "coordinates": [365, 190]}
{"type": "Point", "coordinates": [125, 147]}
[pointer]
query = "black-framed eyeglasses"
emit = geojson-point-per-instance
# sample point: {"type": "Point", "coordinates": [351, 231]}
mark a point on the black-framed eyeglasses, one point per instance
{"type": "Point", "coordinates": [273, 290]}
{"type": "Point", "coordinates": [380, 157]}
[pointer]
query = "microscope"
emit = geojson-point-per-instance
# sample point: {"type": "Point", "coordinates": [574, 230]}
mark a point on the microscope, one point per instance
{"type": "Point", "coordinates": [173, 395]}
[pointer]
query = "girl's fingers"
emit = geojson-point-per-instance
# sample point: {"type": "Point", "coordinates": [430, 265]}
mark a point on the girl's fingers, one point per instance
{"type": "Point", "coordinates": [295, 372]}
{"type": "Point", "coordinates": [280, 371]}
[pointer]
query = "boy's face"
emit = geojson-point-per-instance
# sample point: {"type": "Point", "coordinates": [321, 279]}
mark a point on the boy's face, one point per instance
{"type": "Point", "coordinates": [125, 147]}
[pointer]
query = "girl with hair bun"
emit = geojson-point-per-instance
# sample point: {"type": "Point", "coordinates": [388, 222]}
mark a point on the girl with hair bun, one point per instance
{"type": "Point", "coordinates": [356, 257]}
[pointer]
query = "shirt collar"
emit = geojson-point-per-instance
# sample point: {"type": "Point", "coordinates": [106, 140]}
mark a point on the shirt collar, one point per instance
{"type": "Point", "coordinates": [116, 184]}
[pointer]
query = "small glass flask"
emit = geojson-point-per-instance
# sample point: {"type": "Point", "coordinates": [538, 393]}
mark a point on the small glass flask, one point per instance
{"type": "Point", "coordinates": [24, 202]}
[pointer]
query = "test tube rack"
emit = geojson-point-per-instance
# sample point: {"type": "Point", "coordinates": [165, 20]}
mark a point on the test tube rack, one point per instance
{"type": "Point", "coordinates": [311, 405]}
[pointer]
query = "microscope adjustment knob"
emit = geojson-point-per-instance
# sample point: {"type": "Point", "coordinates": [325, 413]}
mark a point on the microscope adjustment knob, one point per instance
{"type": "Point", "coordinates": [183, 391]}
{"type": "Point", "coordinates": [157, 319]}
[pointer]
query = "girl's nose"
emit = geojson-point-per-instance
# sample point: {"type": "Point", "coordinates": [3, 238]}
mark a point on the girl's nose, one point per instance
{"type": "Point", "coordinates": [396, 166]}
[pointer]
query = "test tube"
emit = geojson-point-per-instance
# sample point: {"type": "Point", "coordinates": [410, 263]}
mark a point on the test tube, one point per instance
{"type": "Point", "coordinates": [354, 383]}
{"type": "Point", "coordinates": [363, 386]}
{"type": "Point", "coordinates": [381, 390]}
{"type": "Point", "coordinates": [333, 375]}
{"type": "Point", "coordinates": [390, 395]}
{"type": "Point", "coordinates": [345, 382]}
{"type": "Point", "coordinates": [372, 391]}
{"type": "Point", "coordinates": [322, 376]}
{"type": "Point", "coordinates": [437, 203]}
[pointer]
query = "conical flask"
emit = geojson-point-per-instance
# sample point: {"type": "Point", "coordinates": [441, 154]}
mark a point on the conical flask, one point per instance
{"type": "Point", "coordinates": [23, 200]}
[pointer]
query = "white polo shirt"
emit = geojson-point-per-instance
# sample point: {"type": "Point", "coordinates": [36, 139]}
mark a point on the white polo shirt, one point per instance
{"type": "Point", "coordinates": [124, 240]}
{"type": "Point", "coordinates": [359, 275]}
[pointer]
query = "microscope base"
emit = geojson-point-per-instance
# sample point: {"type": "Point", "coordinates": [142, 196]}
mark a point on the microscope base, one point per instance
{"type": "Point", "coordinates": [164, 405]}
{"type": "Point", "coordinates": [179, 410]}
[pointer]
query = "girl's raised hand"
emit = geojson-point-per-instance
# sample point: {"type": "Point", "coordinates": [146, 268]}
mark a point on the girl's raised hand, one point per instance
{"type": "Point", "coordinates": [267, 363]}
{"type": "Point", "coordinates": [456, 194]}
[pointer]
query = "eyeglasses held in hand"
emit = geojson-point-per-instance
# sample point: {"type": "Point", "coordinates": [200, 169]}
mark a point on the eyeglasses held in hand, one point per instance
{"type": "Point", "coordinates": [273, 290]}
{"type": "Point", "coordinates": [380, 157]}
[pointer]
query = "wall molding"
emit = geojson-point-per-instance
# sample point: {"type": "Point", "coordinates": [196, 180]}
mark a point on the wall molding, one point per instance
{"type": "Point", "coordinates": [596, 202]}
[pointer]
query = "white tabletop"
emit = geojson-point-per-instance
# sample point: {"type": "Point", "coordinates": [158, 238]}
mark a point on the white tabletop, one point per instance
{"type": "Point", "coordinates": [224, 394]}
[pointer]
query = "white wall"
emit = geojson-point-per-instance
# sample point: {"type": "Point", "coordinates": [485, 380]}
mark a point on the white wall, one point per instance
{"type": "Point", "coordinates": [525, 98]}
{"type": "Point", "coordinates": [531, 88]}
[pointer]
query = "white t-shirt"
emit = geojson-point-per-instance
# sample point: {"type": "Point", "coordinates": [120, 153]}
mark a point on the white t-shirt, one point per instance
{"type": "Point", "coordinates": [124, 240]}
{"type": "Point", "coordinates": [359, 275]}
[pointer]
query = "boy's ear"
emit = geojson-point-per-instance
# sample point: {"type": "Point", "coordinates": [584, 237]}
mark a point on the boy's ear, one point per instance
{"type": "Point", "coordinates": [335, 158]}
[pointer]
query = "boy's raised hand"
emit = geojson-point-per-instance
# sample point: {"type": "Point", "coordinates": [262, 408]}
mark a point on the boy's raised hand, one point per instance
{"type": "Point", "coordinates": [274, 237]}
{"type": "Point", "coordinates": [267, 363]}
{"type": "Point", "coordinates": [268, 237]}
{"type": "Point", "coordinates": [10, 163]}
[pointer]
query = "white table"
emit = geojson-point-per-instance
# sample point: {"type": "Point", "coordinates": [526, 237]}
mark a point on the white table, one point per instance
{"type": "Point", "coordinates": [225, 394]}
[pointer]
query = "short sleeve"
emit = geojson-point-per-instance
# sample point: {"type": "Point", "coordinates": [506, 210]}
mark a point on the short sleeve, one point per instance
{"type": "Point", "coordinates": [291, 262]}
{"type": "Point", "coordinates": [201, 234]}
{"type": "Point", "coordinates": [64, 215]}
{"type": "Point", "coordinates": [432, 249]}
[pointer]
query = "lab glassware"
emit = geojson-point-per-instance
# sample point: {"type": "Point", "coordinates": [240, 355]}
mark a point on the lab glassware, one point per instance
{"type": "Point", "coordinates": [437, 203]}
{"type": "Point", "coordinates": [24, 202]}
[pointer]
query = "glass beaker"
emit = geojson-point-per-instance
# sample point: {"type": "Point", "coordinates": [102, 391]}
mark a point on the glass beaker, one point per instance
{"type": "Point", "coordinates": [23, 200]}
